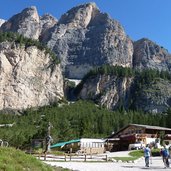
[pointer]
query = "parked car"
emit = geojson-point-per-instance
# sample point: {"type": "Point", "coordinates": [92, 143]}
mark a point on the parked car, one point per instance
{"type": "Point", "coordinates": [136, 146]}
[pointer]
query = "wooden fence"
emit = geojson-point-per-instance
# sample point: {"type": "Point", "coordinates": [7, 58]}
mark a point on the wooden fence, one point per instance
{"type": "Point", "coordinates": [73, 157]}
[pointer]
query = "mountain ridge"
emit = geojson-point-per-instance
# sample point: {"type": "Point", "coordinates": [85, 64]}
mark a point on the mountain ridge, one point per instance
{"type": "Point", "coordinates": [85, 38]}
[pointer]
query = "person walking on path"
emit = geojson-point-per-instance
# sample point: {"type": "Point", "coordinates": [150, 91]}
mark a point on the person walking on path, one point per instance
{"type": "Point", "coordinates": [165, 156]}
{"type": "Point", "coordinates": [147, 154]}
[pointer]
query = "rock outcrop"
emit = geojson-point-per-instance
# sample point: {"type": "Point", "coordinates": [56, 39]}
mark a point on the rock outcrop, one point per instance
{"type": "Point", "coordinates": [109, 91]}
{"type": "Point", "coordinates": [115, 92]}
{"type": "Point", "coordinates": [84, 37]}
{"type": "Point", "coordinates": [47, 21]}
{"type": "Point", "coordinates": [29, 23]}
{"type": "Point", "coordinates": [28, 77]}
{"type": "Point", "coordinates": [155, 98]}
{"type": "Point", "coordinates": [148, 54]}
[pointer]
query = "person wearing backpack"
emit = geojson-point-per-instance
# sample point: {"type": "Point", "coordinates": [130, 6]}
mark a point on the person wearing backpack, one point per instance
{"type": "Point", "coordinates": [165, 156]}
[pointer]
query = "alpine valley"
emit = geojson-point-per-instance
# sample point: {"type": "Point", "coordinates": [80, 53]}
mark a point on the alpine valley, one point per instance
{"type": "Point", "coordinates": [81, 73]}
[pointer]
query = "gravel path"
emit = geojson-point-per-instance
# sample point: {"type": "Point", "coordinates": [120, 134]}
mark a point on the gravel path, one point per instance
{"type": "Point", "coordinates": [157, 164]}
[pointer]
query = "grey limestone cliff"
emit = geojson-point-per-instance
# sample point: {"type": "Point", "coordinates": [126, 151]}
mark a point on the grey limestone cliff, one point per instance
{"type": "Point", "coordinates": [29, 23]}
{"type": "Point", "coordinates": [155, 98]}
{"type": "Point", "coordinates": [84, 37]}
{"type": "Point", "coordinates": [109, 91]}
{"type": "Point", "coordinates": [47, 21]}
{"type": "Point", "coordinates": [148, 54]}
{"type": "Point", "coordinates": [28, 77]}
{"type": "Point", "coordinates": [114, 92]}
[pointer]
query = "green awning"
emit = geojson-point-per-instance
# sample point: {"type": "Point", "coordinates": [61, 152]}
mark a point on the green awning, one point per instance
{"type": "Point", "coordinates": [64, 143]}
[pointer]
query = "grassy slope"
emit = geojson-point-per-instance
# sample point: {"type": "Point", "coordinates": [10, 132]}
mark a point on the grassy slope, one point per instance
{"type": "Point", "coordinates": [16, 160]}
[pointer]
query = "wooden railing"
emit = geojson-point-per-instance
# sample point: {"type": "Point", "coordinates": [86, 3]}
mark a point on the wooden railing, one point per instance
{"type": "Point", "coordinates": [72, 157]}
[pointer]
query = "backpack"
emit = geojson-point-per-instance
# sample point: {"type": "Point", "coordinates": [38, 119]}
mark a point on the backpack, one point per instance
{"type": "Point", "coordinates": [165, 153]}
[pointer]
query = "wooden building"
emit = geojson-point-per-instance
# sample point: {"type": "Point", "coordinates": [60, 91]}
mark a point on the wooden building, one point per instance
{"type": "Point", "coordinates": [133, 133]}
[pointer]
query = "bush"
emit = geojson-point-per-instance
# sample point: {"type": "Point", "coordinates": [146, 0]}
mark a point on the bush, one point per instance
{"type": "Point", "coordinates": [155, 152]}
{"type": "Point", "coordinates": [140, 153]}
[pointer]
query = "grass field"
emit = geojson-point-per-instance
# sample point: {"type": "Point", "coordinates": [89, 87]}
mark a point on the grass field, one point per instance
{"type": "Point", "coordinates": [134, 155]}
{"type": "Point", "coordinates": [16, 160]}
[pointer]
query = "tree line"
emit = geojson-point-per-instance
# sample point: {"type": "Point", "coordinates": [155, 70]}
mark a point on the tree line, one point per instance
{"type": "Point", "coordinates": [72, 121]}
{"type": "Point", "coordinates": [143, 77]}
{"type": "Point", "coordinates": [146, 75]}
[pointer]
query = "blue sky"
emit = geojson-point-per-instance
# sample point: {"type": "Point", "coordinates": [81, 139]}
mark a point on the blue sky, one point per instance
{"type": "Point", "coordinates": [140, 18]}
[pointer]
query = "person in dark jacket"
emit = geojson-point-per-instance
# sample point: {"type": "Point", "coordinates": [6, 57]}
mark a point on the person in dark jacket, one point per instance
{"type": "Point", "coordinates": [165, 155]}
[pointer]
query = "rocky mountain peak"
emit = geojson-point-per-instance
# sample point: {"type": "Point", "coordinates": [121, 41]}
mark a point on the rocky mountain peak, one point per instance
{"type": "Point", "coordinates": [25, 23]}
{"type": "Point", "coordinates": [31, 12]}
{"type": "Point", "coordinates": [83, 38]}
{"type": "Point", "coordinates": [144, 42]}
{"type": "Point", "coordinates": [148, 54]}
{"type": "Point", "coordinates": [80, 16]}
{"type": "Point", "coordinates": [74, 39]}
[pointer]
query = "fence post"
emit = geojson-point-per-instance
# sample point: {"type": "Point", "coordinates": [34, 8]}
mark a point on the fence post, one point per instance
{"type": "Point", "coordinates": [85, 158]}
{"type": "Point", "coordinates": [65, 157]}
{"type": "Point", "coordinates": [45, 156]}
{"type": "Point", "coordinates": [70, 156]}
{"type": "Point", "coordinates": [91, 153]}
{"type": "Point", "coordinates": [106, 158]}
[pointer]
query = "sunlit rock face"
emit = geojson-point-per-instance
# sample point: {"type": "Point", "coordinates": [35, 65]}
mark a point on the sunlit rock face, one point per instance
{"type": "Point", "coordinates": [109, 91]}
{"type": "Point", "coordinates": [28, 77]}
{"type": "Point", "coordinates": [25, 23]}
{"type": "Point", "coordinates": [84, 37]}
{"type": "Point", "coordinates": [148, 54]}
{"type": "Point", "coordinates": [47, 21]}
{"type": "Point", "coordinates": [2, 21]}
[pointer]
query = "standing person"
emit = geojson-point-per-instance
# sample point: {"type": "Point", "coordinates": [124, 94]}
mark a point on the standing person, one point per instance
{"type": "Point", "coordinates": [169, 153]}
{"type": "Point", "coordinates": [165, 156]}
{"type": "Point", "coordinates": [161, 153]}
{"type": "Point", "coordinates": [147, 154]}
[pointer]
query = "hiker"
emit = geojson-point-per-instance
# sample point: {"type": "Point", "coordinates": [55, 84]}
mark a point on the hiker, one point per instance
{"type": "Point", "coordinates": [165, 155]}
{"type": "Point", "coordinates": [147, 154]}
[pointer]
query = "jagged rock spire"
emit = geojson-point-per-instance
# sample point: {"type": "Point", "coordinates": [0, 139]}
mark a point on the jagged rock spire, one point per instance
{"type": "Point", "coordinates": [25, 23]}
